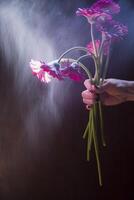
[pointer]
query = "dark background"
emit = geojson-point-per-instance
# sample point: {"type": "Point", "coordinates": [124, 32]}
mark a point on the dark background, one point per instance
{"type": "Point", "coordinates": [47, 158]}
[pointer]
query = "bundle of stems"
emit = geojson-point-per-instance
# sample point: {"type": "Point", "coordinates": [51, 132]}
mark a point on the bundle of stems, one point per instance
{"type": "Point", "coordinates": [95, 120]}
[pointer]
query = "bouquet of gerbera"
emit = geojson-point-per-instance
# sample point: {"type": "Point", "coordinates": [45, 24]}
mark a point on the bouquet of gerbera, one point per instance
{"type": "Point", "coordinates": [100, 18]}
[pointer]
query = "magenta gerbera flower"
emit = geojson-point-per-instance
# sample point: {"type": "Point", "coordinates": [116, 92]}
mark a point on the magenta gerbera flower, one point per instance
{"type": "Point", "coordinates": [93, 15]}
{"type": "Point", "coordinates": [60, 71]}
{"type": "Point", "coordinates": [37, 70]}
{"type": "Point", "coordinates": [53, 69]}
{"type": "Point", "coordinates": [91, 48]}
{"type": "Point", "coordinates": [113, 30]}
{"type": "Point", "coordinates": [100, 11]}
{"type": "Point", "coordinates": [106, 6]}
{"type": "Point", "coordinates": [72, 70]}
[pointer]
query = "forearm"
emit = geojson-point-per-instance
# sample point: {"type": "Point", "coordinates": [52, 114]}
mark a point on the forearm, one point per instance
{"type": "Point", "coordinates": [129, 90]}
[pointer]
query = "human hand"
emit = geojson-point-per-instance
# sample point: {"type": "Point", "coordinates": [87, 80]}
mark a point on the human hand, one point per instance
{"type": "Point", "coordinates": [89, 95]}
{"type": "Point", "coordinates": [112, 92]}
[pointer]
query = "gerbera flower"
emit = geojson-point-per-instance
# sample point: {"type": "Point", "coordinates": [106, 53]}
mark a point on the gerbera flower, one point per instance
{"type": "Point", "coordinates": [53, 69]}
{"type": "Point", "coordinates": [100, 11]}
{"type": "Point", "coordinates": [106, 46]}
{"type": "Point", "coordinates": [72, 71]}
{"type": "Point", "coordinates": [106, 6]}
{"type": "Point", "coordinates": [62, 70]}
{"type": "Point", "coordinates": [93, 15]}
{"type": "Point", "coordinates": [113, 30]}
{"type": "Point", "coordinates": [37, 70]}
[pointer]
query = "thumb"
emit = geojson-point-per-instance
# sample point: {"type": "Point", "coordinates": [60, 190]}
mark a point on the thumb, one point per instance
{"type": "Point", "coordinates": [89, 85]}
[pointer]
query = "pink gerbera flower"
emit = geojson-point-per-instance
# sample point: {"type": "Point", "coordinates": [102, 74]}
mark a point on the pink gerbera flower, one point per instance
{"type": "Point", "coordinates": [107, 6]}
{"type": "Point", "coordinates": [91, 49]}
{"type": "Point", "coordinates": [72, 71]}
{"type": "Point", "coordinates": [100, 11]}
{"type": "Point", "coordinates": [45, 72]}
{"type": "Point", "coordinates": [106, 46]}
{"type": "Point", "coordinates": [53, 69]}
{"type": "Point", "coordinates": [113, 30]}
{"type": "Point", "coordinates": [93, 15]}
{"type": "Point", "coordinates": [37, 70]}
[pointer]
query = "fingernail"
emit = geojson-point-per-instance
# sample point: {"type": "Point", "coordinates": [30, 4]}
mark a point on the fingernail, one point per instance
{"type": "Point", "coordinates": [88, 107]}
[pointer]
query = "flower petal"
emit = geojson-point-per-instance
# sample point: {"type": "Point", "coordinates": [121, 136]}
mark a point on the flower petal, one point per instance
{"type": "Point", "coordinates": [113, 30]}
{"type": "Point", "coordinates": [107, 6]}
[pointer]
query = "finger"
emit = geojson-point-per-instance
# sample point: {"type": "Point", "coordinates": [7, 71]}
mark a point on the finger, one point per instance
{"type": "Point", "coordinates": [89, 86]}
{"type": "Point", "coordinates": [89, 102]}
{"type": "Point", "coordinates": [88, 95]}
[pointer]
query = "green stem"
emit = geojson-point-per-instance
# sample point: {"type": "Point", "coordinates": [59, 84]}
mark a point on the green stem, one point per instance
{"type": "Point", "coordinates": [101, 46]}
{"type": "Point", "coordinates": [90, 136]}
{"type": "Point", "coordinates": [95, 62]}
{"type": "Point", "coordinates": [86, 70]}
{"type": "Point", "coordinates": [101, 124]}
{"type": "Point", "coordinates": [106, 66]}
{"type": "Point", "coordinates": [101, 54]}
{"type": "Point", "coordinates": [88, 125]}
{"type": "Point", "coordinates": [80, 58]}
{"type": "Point", "coordinates": [93, 41]}
{"type": "Point", "coordinates": [72, 49]}
{"type": "Point", "coordinates": [96, 59]}
{"type": "Point", "coordinates": [96, 76]}
{"type": "Point", "coordinates": [96, 148]}
{"type": "Point", "coordinates": [86, 131]}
